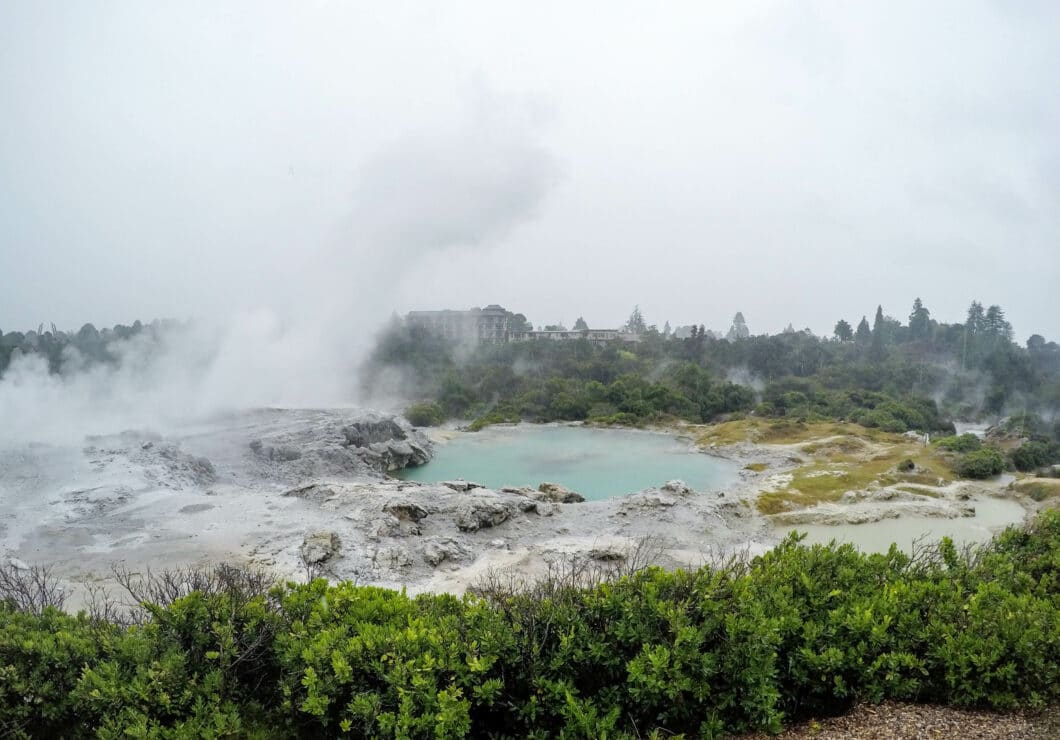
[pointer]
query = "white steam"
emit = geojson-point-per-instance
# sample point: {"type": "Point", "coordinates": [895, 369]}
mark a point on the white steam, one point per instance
{"type": "Point", "coordinates": [319, 307]}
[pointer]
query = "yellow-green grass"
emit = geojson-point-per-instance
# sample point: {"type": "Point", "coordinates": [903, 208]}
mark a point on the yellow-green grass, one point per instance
{"type": "Point", "coordinates": [757, 467]}
{"type": "Point", "coordinates": [834, 472]}
{"type": "Point", "coordinates": [1038, 489]}
{"type": "Point", "coordinates": [786, 432]}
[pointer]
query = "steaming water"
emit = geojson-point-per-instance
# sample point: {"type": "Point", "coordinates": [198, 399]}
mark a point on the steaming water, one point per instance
{"type": "Point", "coordinates": [597, 463]}
{"type": "Point", "coordinates": [991, 515]}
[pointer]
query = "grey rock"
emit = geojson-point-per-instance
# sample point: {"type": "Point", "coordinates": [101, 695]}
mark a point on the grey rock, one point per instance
{"type": "Point", "coordinates": [393, 556]}
{"type": "Point", "coordinates": [406, 510]}
{"type": "Point", "coordinates": [319, 547]}
{"type": "Point", "coordinates": [460, 485]}
{"type": "Point", "coordinates": [677, 486]}
{"type": "Point", "coordinates": [438, 551]}
{"type": "Point", "coordinates": [387, 442]}
{"type": "Point", "coordinates": [483, 515]}
{"type": "Point", "coordinates": [373, 429]}
{"type": "Point", "coordinates": [557, 494]}
{"type": "Point", "coordinates": [526, 506]}
{"type": "Point", "coordinates": [387, 525]}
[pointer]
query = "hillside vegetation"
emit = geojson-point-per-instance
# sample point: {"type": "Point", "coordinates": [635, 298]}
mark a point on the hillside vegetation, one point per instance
{"type": "Point", "coordinates": [892, 377]}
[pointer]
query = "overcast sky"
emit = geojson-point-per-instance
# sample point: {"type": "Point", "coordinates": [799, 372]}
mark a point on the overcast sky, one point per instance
{"type": "Point", "coordinates": [800, 162]}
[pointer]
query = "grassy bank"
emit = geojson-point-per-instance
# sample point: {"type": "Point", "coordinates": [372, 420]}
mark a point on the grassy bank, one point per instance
{"type": "Point", "coordinates": [833, 458]}
{"type": "Point", "coordinates": [748, 645]}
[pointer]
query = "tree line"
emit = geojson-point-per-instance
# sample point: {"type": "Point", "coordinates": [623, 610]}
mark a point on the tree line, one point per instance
{"type": "Point", "coordinates": [894, 376]}
{"type": "Point", "coordinates": [67, 351]}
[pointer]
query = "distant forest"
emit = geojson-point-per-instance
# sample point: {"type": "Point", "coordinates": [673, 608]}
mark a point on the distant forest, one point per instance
{"type": "Point", "coordinates": [917, 375]}
{"type": "Point", "coordinates": [67, 351]}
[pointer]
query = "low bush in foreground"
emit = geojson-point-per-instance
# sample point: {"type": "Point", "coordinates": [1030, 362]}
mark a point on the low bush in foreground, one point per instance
{"type": "Point", "coordinates": [745, 645]}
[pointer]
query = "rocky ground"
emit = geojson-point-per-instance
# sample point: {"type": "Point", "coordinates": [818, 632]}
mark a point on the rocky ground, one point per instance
{"type": "Point", "coordinates": [303, 492]}
{"type": "Point", "coordinates": [307, 491]}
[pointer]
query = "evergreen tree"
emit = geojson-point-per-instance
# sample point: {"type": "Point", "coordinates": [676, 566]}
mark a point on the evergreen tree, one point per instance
{"type": "Point", "coordinates": [919, 321]}
{"type": "Point", "coordinates": [994, 323]}
{"type": "Point", "coordinates": [976, 321]}
{"type": "Point", "coordinates": [863, 335]}
{"type": "Point", "coordinates": [843, 332]}
{"type": "Point", "coordinates": [879, 331]}
{"type": "Point", "coordinates": [580, 325]}
{"type": "Point", "coordinates": [666, 329]}
{"type": "Point", "coordinates": [636, 323]}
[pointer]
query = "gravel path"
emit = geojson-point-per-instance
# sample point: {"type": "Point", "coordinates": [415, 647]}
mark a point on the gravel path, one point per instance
{"type": "Point", "coordinates": [892, 721]}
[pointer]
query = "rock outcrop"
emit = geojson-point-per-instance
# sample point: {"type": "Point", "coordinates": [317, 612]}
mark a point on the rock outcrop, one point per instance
{"type": "Point", "coordinates": [547, 493]}
{"type": "Point", "coordinates": [319, 547]}
{"type": "Point", "coordinates": [461, 486]}
{"type": "Point", "coordinates": [483, 515]}
{"type": "Point", "coordinates": [388, 443]}
{"type": "Point", "coordinates": [437, 551]}
{"type": "Point", "coordinates": [407, 511]}
{"type": "Point", "coordinates": [557, 494]}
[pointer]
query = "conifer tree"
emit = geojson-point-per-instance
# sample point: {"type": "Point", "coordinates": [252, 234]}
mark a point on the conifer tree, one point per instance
{"type": "Point", "coordinates": [863, 335]}
{"type": "Point", "coordinates": [919, 321]}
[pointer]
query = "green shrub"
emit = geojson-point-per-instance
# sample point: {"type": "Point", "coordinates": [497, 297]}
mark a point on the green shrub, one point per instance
{"type": "Point", "coordinates": [959, 443]}
{"type": "Point", "coordinates": [494, 417]}
{"type": "Point", "coordinates": [1033, 455]}
{"type": "Point", "coordinates": [425, 414]}
{"type": "Point", "coordinates": [740, 647]}
{"type": "Point", "coordinates": [982, 463]}
{"type": "Point", "coordinates": [41, 659]}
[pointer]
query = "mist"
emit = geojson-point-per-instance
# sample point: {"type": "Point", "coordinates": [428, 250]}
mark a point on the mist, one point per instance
{"type": "Point", "coordinates": [424, 195]}
{"type": "Point", "coordinates": [288, 177]}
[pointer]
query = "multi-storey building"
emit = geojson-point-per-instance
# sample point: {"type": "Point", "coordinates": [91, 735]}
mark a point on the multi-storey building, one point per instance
{"type": "Point", "coordinates": [489, 325]}
{"type": "Point", "coordinates": [494, 325]}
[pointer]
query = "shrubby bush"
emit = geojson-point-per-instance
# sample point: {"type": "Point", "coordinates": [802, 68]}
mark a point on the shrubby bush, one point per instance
{"type": "Point", "coordinates": [1034, 454]}
{"type": "Point", "coordinates": [959, 443]}
{"type": "Point", "coordinates": [744, 645]}
{"type": "Point", "coordinates": [425, 414]}
{"type": "Point", "coordinates": [982, 463]}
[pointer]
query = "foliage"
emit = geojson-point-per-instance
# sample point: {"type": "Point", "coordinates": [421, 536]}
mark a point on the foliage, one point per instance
{"type": "Point", "coordinates": [959, 443]}
{"type": "Point", "coordinates": [425, 414]}
{"type": "Point", "coordinates": [744, 645]}
{"type": "Point", "coordinates": [982, 463]}
{"type": "Point", "coordinates": [1033, 454]}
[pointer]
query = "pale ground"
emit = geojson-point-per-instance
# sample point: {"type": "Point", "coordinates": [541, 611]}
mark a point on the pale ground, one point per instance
{"type": "Point", "coordinates": [149, 502]}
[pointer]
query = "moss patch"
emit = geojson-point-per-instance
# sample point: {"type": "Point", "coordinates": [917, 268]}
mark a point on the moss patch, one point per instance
{"type": "Point", "coordinates": [756, 467]}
